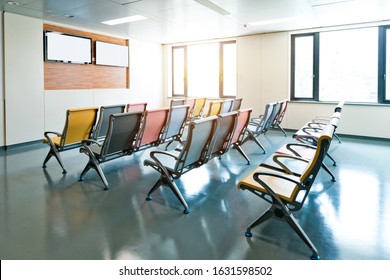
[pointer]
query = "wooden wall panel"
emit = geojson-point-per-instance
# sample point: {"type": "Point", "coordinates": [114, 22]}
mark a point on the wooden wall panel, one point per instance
{"type": "Point", "coordinates": [59, 76]}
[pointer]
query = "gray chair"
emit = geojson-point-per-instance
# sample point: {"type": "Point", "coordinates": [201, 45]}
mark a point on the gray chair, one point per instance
{"type": "Point", "coordinates": [172, 165]}
{"type": "Point", "coordinates": [263, 123]}
{"type": "Point", "coordinates": [105, 112]}
{"type": "Point", "coordinates": [260, 125]}
{"type": "Point", "coordinates": [121, 133]}
{"type": "Point", "coordinates": [177, 102]}
{"type": "Point", "coordinates": [237, 104]}
{"type": "Point", "coordinates": [280, 115]}
{"type": "Point", "coordinates": [176, 122]}
{"type": "Point", "coordinates": [222, 138]}
{"type": "Point", "coordinates": [227, 106]}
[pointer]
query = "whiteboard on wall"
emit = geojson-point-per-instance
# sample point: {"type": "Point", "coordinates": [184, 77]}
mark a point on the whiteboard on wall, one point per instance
{"type": "Point", "coordinates": [67, 48]}
{"type": "Point", "coordinates": [112, 54]}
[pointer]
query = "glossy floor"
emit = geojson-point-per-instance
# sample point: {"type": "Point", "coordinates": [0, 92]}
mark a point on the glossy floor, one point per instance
{"type": "Point", "coordinates": [47, 215]}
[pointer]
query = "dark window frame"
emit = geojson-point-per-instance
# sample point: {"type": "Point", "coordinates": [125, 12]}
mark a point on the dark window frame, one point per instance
{"type": "Point", "coordinates": [382, 71]}
{"type": "Point", "coordinates": [316, 43]}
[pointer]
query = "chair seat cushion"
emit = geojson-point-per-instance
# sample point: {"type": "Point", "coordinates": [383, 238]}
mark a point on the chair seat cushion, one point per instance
{"type": "Point", "coordinates": [56, 140]}
{"type": "Point", "coordinates": [167, 161]}
{"type": "Point", "coordinates": [286, 190]}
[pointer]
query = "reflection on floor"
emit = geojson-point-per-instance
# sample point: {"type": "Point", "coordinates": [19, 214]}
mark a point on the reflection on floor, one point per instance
{"type": "Point", "coordinates": [47, 215]}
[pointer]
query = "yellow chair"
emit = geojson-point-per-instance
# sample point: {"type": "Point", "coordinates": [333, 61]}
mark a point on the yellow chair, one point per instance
{"type": "Point", "coordinates": [79, 126]}
{"type": "Point", "coordinates": [215, 108]}
{"type": "Point", "coordinates": [286, 191]}
{"type": "Point", "coordinates": [199, 107]}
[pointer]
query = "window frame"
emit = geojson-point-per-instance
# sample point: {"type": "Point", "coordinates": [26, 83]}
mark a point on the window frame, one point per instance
{"type": "Point", "coordinates": [221, 72]}
{"type": "Point", "coordinates": [184, 70]}
{"type": "Point", "coordinates": [315, 93]}
{"type": "Point", "coordinates": [381, 72]}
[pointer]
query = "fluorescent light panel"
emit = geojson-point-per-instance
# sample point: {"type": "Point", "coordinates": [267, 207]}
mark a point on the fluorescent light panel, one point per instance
{"type": "Point", "coordinates": [273, 21]}
{"type": "Point", "coordinates": [213, 7]}
{"type": "Point", "coordinates": [124, 20]}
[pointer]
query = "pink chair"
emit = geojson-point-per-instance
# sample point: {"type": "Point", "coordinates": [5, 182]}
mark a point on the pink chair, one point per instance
{"type": "Point", "coordinates": [152, 128]}
{"type": "Point", "coordinates": [240, 132]}
{"type": "Point", "coordinates": [136, 107]}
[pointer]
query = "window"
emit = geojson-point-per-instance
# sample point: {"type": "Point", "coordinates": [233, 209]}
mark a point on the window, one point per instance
{"type": "Point", "coordinates": [384, 64]}
{"type": "Point", "coordinates": [204, 70]}
{"type": "Point", "coordinates": [303, 74]}
{"type": "Point", "coordinates": [341, 65]}
{"type": "Point", "coordinates": [179, 70]}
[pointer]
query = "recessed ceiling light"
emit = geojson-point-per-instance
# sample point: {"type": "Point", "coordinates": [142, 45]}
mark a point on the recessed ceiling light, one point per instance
{"type": "Point", "coordinates": [13, 3]}
{"type": "Point", "coordinates": [273, 21]}
{"type": "Point", "coordinates": [124, 20]}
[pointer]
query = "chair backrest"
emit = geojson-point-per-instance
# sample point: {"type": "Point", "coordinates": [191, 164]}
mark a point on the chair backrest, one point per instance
{"type": "Point", "coordinates": [309, 174]}
{"type": "Point", "coordinates": [195, 149]}
{"type": "Point", "coordinates": [275, 114]}
{"type": "Point", "coordinates": [227, 106]}
{"type": "Point", "coordinates": [121, 133]}
{"type": "Point", "coordinates": [223, 136]}
{"type": "Point", "coordinates": [237, 104]}
{"type": "Point", "coordinates": [153, 125]}
{"type": "Point", "coordinates": [266, 120]}
{"type": "Point", "coordinates": [199, 107]}
{"type": "Point", "coordinates": [104, 115]}
{"type": "Point", "coordinates": [242, 123]}
{"type": "Point", "coordinates": [190, 102]}
{"type": "Point", "coordinates": [135, 107]}
{"type": "Point", "coordinates": [176, 121]}
{"type": "Point", "coordinates": [177, 102]}
{"type": "Point", "coordinates": [282, 112]}
{"type": "Point", "coordinates": [79, 125]}
{"type": "Point", "coordinates": [214, 108]}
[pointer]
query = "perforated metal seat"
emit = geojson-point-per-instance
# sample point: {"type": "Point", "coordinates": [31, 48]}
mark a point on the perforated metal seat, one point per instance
{"type": "Point", "coordinates": [119, 141]}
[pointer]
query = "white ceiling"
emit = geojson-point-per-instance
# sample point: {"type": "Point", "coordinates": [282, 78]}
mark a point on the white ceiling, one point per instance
{"type": "Point", "coordinates": [172, 21]}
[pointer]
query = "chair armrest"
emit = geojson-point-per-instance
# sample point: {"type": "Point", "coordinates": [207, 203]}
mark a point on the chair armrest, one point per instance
{"type": "Point", "coordinates": [46, 134]}
{"type": "Point", "coordinates": [91, 141]}
{"type": "Point", "coordinates": [285, 168]}
{"type": "Point", "coordinates": [270, 191]}
{"type": "Point", "coordinates": [152, 154]}
{"type": "Point", "coordinates": [159, 166]}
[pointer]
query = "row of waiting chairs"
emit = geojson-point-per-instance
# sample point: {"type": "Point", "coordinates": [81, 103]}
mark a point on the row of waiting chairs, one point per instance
{"type": "Point", "coordinates": [215, 107]}
{"type": "Point", "coordinates": [271, 118]}
{"type": "Point", "coordinates": [102, 142]}
{"type": "Point", "coordinates": [285, 178]}
{"type": "Point", "coordinates": [207, 138]}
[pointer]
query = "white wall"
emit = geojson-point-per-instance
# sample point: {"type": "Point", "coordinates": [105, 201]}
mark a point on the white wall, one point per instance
{"type": "Point", "coordinates": [146, 68]}
{"type": "Point", "coordinates": [249, 72]}
{"type": "Point", "coordinates": [23, 60]}
{"type": "Point", "coordinates": [30, 110]}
